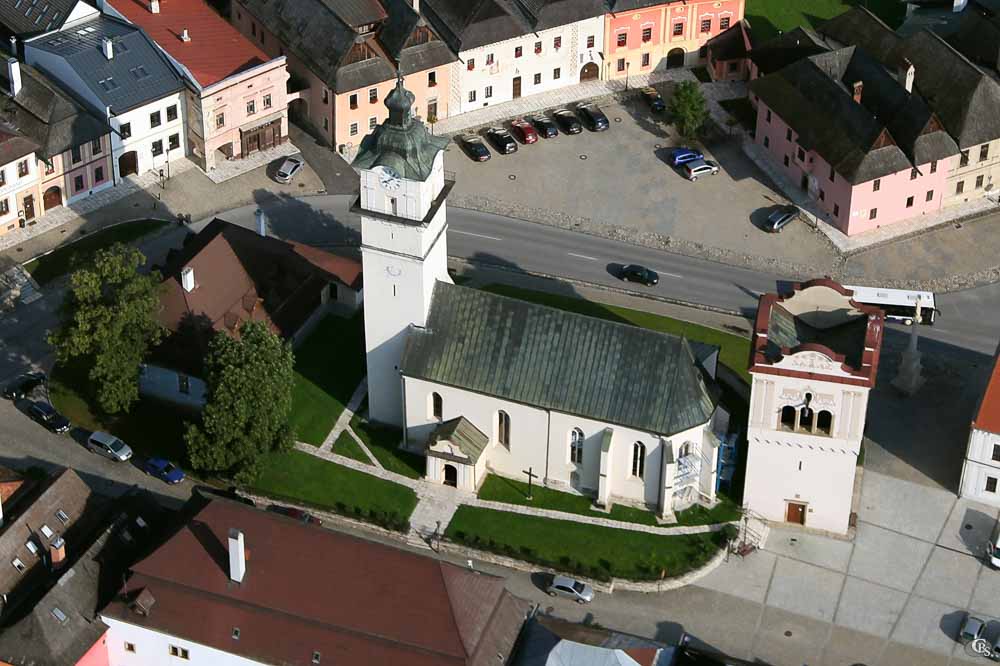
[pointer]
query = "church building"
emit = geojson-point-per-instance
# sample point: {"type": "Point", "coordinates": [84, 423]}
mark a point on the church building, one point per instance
{"type": "Point", "coordinates": [482, 383]}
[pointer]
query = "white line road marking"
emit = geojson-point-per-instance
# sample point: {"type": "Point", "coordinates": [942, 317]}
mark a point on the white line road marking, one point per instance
{"type": "Point", "coordinates": [582, 256]}
{"type": "Point", "coordinates": [469, 233]}
{"type": "Point", "coordinates": [673, 275]}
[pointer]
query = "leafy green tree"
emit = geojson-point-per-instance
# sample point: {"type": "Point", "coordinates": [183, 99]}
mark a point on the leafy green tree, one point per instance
{"type": "Point", "coordinates": [248, 403]}
{"type": "Point", "coordinates": [688, 108]}
{"type": "Point", "coordinates": [109, 323]}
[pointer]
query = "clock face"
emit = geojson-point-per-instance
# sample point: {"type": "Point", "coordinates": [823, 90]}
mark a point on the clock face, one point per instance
{"type": "Point", "coordinates": [393, 271]}
{"type": "Point", "coordinates": [388, 178]}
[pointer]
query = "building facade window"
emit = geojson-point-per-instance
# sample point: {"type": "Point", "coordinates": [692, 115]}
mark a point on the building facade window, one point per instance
{"type": "Point", "coordinates": [76, 154]}
{"type": "Point", "coordinates": [125, 130]}
{"type": "Point", "coordinates": [768, 115]}
{"type": "Point", "coordinates": [266, 100]}
{"type": "Point", "coordinates": [788, 134]}
{"type": "Point", "coordinates": [979, 182]}
{"type": "Point", "coordinates": [876, 185]}
{"type": "Point", "coordinates": [489, 58]}
{"type": "Point", "coordinates": [909, 202]}
{"type": "Point", "coordinates": [488, 92]}
{"type": "Point", "coordinates": [220, 121]}
{"type": "Point", "coordinates": [157, 148]}
{"type": "Point", "coordinates": [725, 22]}
{"type": "Point", "coordinates": [174, 142]}
{"type": "Point", "coordinates": [353, 100]}
{"type": "Point", "coordinates": [129, 647]}
{"type": "Point", "coordinates": [557, 42]}
{"type": "Point", "coordinates": [934, 166]}
{"type": "Point", "coordinates": [154, 119]}
{"type": "Point", "coordinates": [503, 429]}
{"type": "Point", "coordinates": [251, 107]}
{"type": "Point", "coordinates": [78, 183]}
{"type": "Point", "coordinates": [372, 95]}
{"type": "Point", "coordinates": [372, 122]}
{"type": "Point", "coordinates": [518, 51]}
{"type": "Point", "coordinates": [930, 195]}
{"type": "Point", "coordinates": [472, 95]}
{"type": "Point", "coordinates": [996, 452]}
{"type": "Point", "coordinates": [179, 652]}
{"type": "Point", "coordinates": [621, 64]}
{"type": "Point", "coordinates": [171, 113]}
{"type": "Point", "coordinates": [4, 206]}
{"type": "Point", "coordinates": [621, 39]}
{"type": "Point", "coordinates": [99, 174]}
{"type": "Point", "coordinates": [638, 460]}
{"type": "Point", "coordinates": [831, 174]}
{"type": "Point", "coordinates": [576, 446]}
{"type": "Point", "coordinates": [437, 406]}
{"type": "Point", "coordinates": [431, 79]}
{"type": "Point", "coordinates": [678, 29]}
{"type": "Point", "coordinates": [538, 79]}
{"type": "Point", "coordinates": [647, 34]}
{"type": "Point", "coordinates": [786, 160]}
{"type": "Point", "coordinates": [836, 210]}
{"type": "Point", "coordinates": [326, 96]}
{"type": "Point", "coordinates": [706, 25]}
{"type": "Point", "coordinates": [590, 41]}
{"type": "Point", "coordinates": [538, 48]}
{"type": "Point", "coordinates": [913, 174]}
{"type": "Point", "coordinates": [556, 73]}
{"type": "Point", "coordinates": [645, 60]}
{"type": "Point", "coordinates": [873, 213]}
{"type": "Point", "coordinates": [95, 147]}
{"type": "Point", "coordinates": [984, 152]}
{"type": "Point", "coordinates": [22, 168]}
{"type": "Point", "coordinates": [470, 64]}
{"type": "Point", "coordinates": [991, 484]}
{"type": "Point", "coordinates": [960, 187]}
{"type": "Point", "coordinates": [767, 142]}
{"type": "Point", "coordinates": [964, 159]}
{"type": "Point", "coordinates": [353, 129]}
{"type": "Point", "coordinates": [801, 155]}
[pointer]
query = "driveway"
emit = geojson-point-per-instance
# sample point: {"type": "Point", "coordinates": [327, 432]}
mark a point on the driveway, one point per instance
{"type": "Point", "coordinates": [621, 178]}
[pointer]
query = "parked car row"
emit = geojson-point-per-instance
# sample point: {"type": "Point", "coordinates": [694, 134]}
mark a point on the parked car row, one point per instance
{"type": "Point", "coordinates": [106, 444]}
{"type": "Point", "coordinates": [529, 129]}
{"type": "Point", "coordinates": [692, 163]}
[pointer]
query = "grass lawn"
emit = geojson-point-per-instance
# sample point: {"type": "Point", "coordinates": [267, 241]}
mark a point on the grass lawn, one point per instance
{"type": "Point", "coordinates": [735, 348]}
{"type": "Point", "coordinates": [500, 489]}
{"type": "Point", "coordinates": [768, 17]}
{"type": "Point", "coordinates": [383, 442]}
{"type": "Point", "coordinates": [346, 446]}
{"type": "Point", "coordinates": [742, 110]}
{"type": "Point", "coordinates": [151, 428]}
{"type": "Point", "coordinates": [61, 261]}
{"type": "Point", "coordinates": [598, 552]}
{"type": "Point", "coordinates": [299, 477]}
{"type": "Point", "coordinates": [328, 367]}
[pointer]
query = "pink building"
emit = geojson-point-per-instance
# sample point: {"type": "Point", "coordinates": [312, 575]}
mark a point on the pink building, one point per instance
{"type": "Point", "coordinates": [860, 141]}
{"type": "Point", "coordinates": [344, 59]}
{"type": "Point", "coordinates": [237, 95]}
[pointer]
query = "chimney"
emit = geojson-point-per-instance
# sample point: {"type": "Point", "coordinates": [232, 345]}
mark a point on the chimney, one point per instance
{"type": "Point", "coordinates": [57, 552]}
{"type": "Point", "coordinates": [237, 556]}
{"type": "Point", "coordinates": [416, 6]}
{"type": "Point", "coordinates": [187, 279]}
{"type": "Point", "coordinates": [261, 217]}
{"type": "Point", "coordinates": [185, 36]}
{"type": "Point", "coordinates": [108, 48]}
{"type": "Point", "coordinates": [858, 87]}
{"type": "Point", "coordinates": [14, 76]}
{"type": "Point", "coordinates": [154, 6]}
{"type": "Point", "coordinates": [906, 73]}
{"type": "Point", "coordinates": [13, 46]}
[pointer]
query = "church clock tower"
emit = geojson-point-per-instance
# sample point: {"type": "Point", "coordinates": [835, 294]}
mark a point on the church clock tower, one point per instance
{"type": "Point", "coordinates": [403, 242]}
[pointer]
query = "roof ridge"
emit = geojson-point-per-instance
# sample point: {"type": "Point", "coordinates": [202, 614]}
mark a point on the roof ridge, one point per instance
{"type": "Point", "coordinates": [451, 607]}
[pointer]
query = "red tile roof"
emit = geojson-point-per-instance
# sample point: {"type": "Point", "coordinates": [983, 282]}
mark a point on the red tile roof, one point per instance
{"type": "Point", "coordinates": [988, 416]}
{"type": "Point", "coordinates": [308, 589]}
{"type": "Point", "coordinates": [216, 51]}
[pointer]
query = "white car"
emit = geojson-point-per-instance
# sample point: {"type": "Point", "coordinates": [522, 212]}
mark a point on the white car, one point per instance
{"type": "Point", "coordinates": [108, 445]}
{"type": "Point", "coordinates": [700, 168]}
{"type": "Point", "coordinates": [288, 169]}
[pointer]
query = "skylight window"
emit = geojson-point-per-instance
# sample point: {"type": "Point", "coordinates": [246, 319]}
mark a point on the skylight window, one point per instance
{"type": "Point", "coordinates": [19, 565]}
{"type": "Point", "coordinates": [93, 29]}
{"type": "Point", "coordinates": [236, 633]}
{"type": "Point", "coordinates": [62, 516]}
{"type": "Point", "coordinates": [59, 615]}
{"type": "Point", "coordinates": [47, 531]}
{"type": "Point", "coordinates": [30, 545]}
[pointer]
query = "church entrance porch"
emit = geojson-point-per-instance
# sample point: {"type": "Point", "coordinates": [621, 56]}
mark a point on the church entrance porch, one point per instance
{"type": "Point", "coordinates": [454, 455]}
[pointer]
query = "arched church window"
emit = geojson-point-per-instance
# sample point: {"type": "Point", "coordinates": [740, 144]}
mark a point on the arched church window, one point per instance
{"type": "Point", "coordinates": [576, 446]}
{"type": "Point", "coordinates": [437, 406]}
{"type": "Point", "coordinates": [788, 417]}
{"type": "Point", "coordinates": [503, 428]}
{"type": "Point", "coordinates": [824, 423]}
{"type": "Point", "coordinates": [638, 459]}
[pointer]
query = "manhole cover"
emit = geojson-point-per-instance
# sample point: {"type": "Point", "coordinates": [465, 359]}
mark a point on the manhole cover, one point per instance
{"type": "Point", "coordinates": [302, 184]}
{"type": "Point", "coordinates": [968, 526]}
{"type": "Point", "coordinates": [511, 177]}
{"type": "Point", "coordinates": [583, 157]}
{"type": "Point", "coordinates": [20, 249]}
{"type": "Point", "coordinates": [618, 120]}
{"type": "Point", "coordinates": [958, 225]}
{"type": "Point", "coordinates": [788, 634]}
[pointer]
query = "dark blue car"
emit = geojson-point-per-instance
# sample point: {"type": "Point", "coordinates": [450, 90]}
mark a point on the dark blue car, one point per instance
{"type": "Point", "coordinates": [684, 155]}
{"type": "Point", "coordinates": [164, 470]}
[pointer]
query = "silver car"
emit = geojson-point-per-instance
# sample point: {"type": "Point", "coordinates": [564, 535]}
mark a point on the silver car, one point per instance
{"type": "Point", "coordinates": [698, 168]}
{"type": "Point", "coordinates": [578, 591]}
{"type": "Point", "coordinates": [109, 445]}
{"type": "Point", "coordinates": [288, 169]}
{"type": "Point", "coordinates": [972, 629]}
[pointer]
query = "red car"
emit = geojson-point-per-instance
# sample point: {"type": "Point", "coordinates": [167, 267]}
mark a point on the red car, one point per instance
{"type": "Point", "coordinates": [524, 131]}
{"type": "Point", "coordinates": [296, 514]}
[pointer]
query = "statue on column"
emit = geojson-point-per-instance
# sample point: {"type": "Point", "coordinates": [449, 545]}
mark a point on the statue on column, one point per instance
{"type": "Point", "coordinates": [909, 380]}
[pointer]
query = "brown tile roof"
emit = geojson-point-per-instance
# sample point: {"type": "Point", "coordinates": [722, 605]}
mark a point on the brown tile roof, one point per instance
{"type": "Point", "coordinates": [988, 415]}
{"type": "Point", "coordinates": [310, 590]}
{"type": "Point", "coordinates": [241, 276]}
{"type": "Point", "coordinates": [39, 523]}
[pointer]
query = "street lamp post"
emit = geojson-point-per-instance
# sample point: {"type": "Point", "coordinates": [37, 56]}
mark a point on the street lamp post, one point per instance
{"type": "Point", "coordinates": [627, 63]}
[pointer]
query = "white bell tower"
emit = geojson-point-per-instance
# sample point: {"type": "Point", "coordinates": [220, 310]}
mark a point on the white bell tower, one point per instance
{"type": "Point", "coordinates": [403, 242]}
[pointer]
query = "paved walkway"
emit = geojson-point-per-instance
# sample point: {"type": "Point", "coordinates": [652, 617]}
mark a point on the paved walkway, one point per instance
{"type": "Point", "coordinates": [343, 423]}
{"type": "Point", "coordinates": [554, 98]}
{"type": "Point", "coordinates": [228, 169]}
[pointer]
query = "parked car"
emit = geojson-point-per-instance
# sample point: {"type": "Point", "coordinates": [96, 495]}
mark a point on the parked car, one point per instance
{"type": "Point", "coordinates": [780, 218]}
{"type": "Point", "coordinates": [164, 470]}
{"type": "Point", "coordinates": [501, 140]}
{"type": "Point", "coordinates": [567, 121]}
{"type": "Point", "coordinates": [22, 385]}
{"type": "Point", "coordinates": [297, 514]}
{"type": "Point", "coordinates": [564, 586]}
{"type": "Point", "coordinates": [108, 445]}
{"type": "Point", "coordinates": [653, 98]}
{"type": "Point", "coordinates": [47, 415]}
{"type": "Point", "coordinates": [681, 156]}
{"type": "Point", "coordinates": [593, 117]}
{"type": "Point", "coordinates": [697, 168]}
{"type": "Point", "coordinates": [524, 131]}
{"type": "Point", "coordinates": [474, 147]}
{"type": "Point", "coordinates": [544, 125]}
{"type": "Point", "coordinates": [640, 274]}
{"type": "Point", "coordinates": [972, 629]}
{"type": "Point", "coordinates": [288, 169]}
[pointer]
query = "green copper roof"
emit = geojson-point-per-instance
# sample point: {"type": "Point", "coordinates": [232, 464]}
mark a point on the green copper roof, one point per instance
{"type": "Point", "coordinates": [469, 439]}
{"type": "Point", "coordinates": [401, 142]}
{"type": "Point", "coordinates": [536, 355]}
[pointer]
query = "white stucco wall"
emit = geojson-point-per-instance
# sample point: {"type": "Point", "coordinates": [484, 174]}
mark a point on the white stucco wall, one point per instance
{"type": "Point", "coordinates": [979, 467]}
{"type": "Point", "coordinates": [570, 58]}
{"type": "Point", "coordinates": [153, 649]}
{"type": "Point", "coordinates": [816, 470]}
{"type": "Point", "coordinates": [144, 135]}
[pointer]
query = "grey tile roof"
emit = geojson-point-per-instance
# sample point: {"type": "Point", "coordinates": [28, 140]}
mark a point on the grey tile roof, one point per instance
{"type": "Point", "coordinates": [557, 360]}
{"type": "Point", "coordinates": [977, 37]}
{"type": "Point", "coordinates": [888, 132]}
{"type": "Point", "coordinates": [356, 13]}
{"type": "Point", "coordinates": [13, 144]}
{"type": "Point", "coordinates": [786, 48]}
{"type": "Point", "coordinates": [462, 433]}
{"type": "Point", "coordinates": [48, 114]}
{"type": "Point", "coordinates": [396, 36]}
{"type": "Point", "coordinates": [27, 18]}
{"type": "Point", "coordinates": [114, 82]}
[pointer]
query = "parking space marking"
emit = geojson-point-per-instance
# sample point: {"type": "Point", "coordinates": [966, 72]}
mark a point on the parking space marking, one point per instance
{"type": "Point", "coordinates": [582, 256]}
{"type": "Point", "coordinates": [469, 233]}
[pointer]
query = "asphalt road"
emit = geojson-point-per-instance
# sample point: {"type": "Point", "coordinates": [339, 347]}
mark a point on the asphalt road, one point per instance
{"type": "Point", "coordinates": [969, 319]}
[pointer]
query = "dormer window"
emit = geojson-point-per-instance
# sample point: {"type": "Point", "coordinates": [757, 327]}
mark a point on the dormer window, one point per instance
{"type": "Point", "coordinates": [47, 531]}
